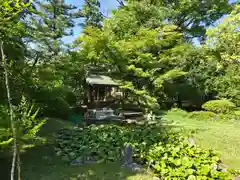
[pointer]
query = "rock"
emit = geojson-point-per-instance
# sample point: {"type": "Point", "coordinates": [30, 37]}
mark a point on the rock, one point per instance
{"type": "Point", "coordinates": [77, 162]}
{"type": "Point", "coordinates": [136, 167]}
{"type": "Point", "coordinates": [90, 162]}
{"type": "Point", "coordinates": [191, 141]}
{"type": "Point", "coordinates": [236, 178]}
{"type": "Point", "coordinates": [128, 154]}
{"type": "Point", "coordinates": [156, 178]}
{"type": "Point", "coordinates": [214, 166]}
{"type": "Point", "coordinates": [223, 167]}
{"type": "Point", "coordinates": [65, 158]}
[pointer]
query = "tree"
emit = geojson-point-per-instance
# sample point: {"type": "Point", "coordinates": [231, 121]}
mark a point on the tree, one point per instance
{"type": "Point", "coordinates": [49, 23]}
{"type": "Point", "coordinates": [7, 16]}
{"type": "Point", "coordinates": [138, 55]}
{"type": "Point", "coordinates": [223, 44]}
{"type": "Point", "coordinates": [91, 12]}
{"type": "Point", "coordinates": [23, 123]}
{"type": "Point", "coordinates": [192, 17]}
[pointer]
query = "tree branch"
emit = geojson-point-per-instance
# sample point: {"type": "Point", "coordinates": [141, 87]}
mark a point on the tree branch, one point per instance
{"type": "Point", "coordinates": [120, 3]}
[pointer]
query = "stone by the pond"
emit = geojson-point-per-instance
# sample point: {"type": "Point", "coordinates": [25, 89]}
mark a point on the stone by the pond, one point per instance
{"type": "Point", "coordinates": [128, 159]}
{"type": "Point", "coordinates": [156, 178]}
{"type": "Point", "coordinates": [191, 141]}
{"type": "Point", "coordinates": [236, 178]}
{"type": "Point", "coordinates": [223, 167]}
{"type": "Point", "coordinates": [133, 167]}
{"type": "Point", "coordinates": [136, 167]}
{"type": "Point", "coordinates": [90, 161]}
{"type": "Point", "coordinates": [128, 154]}
{"type": "Point", "coordinates": [79, 161]}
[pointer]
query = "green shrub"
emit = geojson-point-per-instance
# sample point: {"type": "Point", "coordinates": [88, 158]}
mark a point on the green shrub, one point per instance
{"type": "Point", "coordinates": [178, 111]}
{"type": "Point", "coordinates": [203, 115]}
{"type": "Point", "coordinates": [219, 106]}
{"type": "Point", "coordinates": [56, 107]}
{"type": "Point", "coordinates": [237, 114]}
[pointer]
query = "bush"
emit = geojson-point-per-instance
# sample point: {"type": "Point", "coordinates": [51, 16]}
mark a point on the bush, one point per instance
{"type": "Point", "coordinates": [219, 106]}
{"type": "Point", "coordinates": [203, 115]}
{"type": "Point", "coordinates": [56, 107]}
{"type": "Point", "coordinates": [237, 115]}
{"type": "Point", "coordinates": [178, 111]}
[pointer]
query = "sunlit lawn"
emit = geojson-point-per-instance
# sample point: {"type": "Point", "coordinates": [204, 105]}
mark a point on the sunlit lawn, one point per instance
{"type": "Point", "coordinates": [221, 136]}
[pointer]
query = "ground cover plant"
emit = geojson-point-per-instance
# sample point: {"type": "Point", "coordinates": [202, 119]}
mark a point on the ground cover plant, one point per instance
{"type": "Point", "coordinates": [168, 154]}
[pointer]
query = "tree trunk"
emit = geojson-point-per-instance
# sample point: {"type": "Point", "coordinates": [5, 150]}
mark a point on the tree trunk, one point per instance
{"type": "Point", "coordinates": [19, 164]}
{"type": "Point", "coordinates": [4, 63]}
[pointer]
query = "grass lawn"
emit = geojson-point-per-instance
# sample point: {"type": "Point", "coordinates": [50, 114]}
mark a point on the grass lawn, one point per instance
{"type": "Point", "coordinates": [40, 163]}
{"type": "Point", "coordinates": [221, 136]}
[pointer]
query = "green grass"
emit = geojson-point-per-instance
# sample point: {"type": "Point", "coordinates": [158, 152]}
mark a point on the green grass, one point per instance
{"type": "Point", "coordinates": [40, 163]}
{"type": "Point", "coordinates": [221, 136]}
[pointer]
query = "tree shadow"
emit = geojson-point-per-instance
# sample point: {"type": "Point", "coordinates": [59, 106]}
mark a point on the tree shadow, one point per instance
{"type": "Point", "coordinates": [41, 163]}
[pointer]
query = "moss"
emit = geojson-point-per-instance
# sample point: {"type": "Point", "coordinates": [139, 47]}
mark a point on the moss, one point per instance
{"type": "Point", "coordinates": [203, 115]}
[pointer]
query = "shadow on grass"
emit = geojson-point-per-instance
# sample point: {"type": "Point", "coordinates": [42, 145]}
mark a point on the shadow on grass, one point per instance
{"type": "Point", "coordinates": [41, 163]}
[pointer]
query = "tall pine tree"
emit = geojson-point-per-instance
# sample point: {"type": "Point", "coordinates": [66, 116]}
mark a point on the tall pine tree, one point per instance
{"type": "Point", "coordinates": [51, 21]}
{"type": "Point", "coordinates": [92, 14]}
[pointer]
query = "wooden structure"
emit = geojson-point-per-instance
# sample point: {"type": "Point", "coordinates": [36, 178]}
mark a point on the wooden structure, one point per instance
{"type": "Point", "coordinates": [101, 88]}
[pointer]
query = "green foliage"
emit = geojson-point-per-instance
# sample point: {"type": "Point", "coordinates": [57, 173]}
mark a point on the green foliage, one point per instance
{"type": "Point", "coordinates": [4, 116]}
{"type": "Point", "coordinates": [5, 132]}
{"type": "Point", "coordinates": [237, 115]}
{"type": "Point", "coordinates": [180, 160]}
{"type": "Point", "coordinates": [91, 12]}
{"type": "Point", "coordinates": [10, 8]}
{"type": "Point", "coordinates": [105, 142]}
{"type": "Point", "coordinates": [219, 106]}
{"type": "Point", "coordinates": [223, 44]}
{"type": "Point", "coordinates": [168, 154]}
{"type": "Point", "coordinates": [26, 119]}
{"type": "Point", "coordinates": [27, 124]}
{"type": "Point", "coordinates": [56, 107]}
{"type": "Point", "coordinates": [178, 111]}
{"type": "Point", "coordinates": [192, 17]}
{"type": "Point", "coordinates": [203, 115]}
{"type": "Point", "coordinates": [47, 25]}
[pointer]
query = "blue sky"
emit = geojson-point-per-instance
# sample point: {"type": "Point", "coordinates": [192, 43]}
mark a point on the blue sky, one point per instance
{"type": "Point", "coordinates": [106, 7]}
